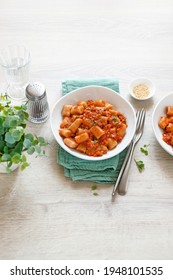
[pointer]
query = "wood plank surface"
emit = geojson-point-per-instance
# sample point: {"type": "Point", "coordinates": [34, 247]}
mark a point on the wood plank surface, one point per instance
{"type": "Point", "coordinates": [44, 215]}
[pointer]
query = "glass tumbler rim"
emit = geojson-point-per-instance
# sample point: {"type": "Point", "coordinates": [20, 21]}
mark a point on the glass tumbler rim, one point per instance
{"type": "Point", "coordinates": [17, 46]}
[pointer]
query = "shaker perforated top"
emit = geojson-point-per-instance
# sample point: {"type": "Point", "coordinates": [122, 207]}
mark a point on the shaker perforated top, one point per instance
{"type": "Point", "coordinates": [38, 108]}
{"type": "Point", "coordinates": [35, 91]}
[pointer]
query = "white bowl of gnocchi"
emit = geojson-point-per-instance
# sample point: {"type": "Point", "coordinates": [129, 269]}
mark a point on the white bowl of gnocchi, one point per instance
{"type": "Point", "coordinates": [162, 122]}
{"type": "Point", "coordinates": [93, 123]}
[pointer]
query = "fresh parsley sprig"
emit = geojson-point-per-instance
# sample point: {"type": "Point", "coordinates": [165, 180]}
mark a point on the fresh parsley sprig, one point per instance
{"type": "Point", "coordinates": [140, 165]}
{"type": "Point", "coordinates": [144, 149]}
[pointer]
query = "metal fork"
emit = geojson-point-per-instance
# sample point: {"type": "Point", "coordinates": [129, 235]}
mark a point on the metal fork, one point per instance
{"type": "Point", "coordinates": [140, 115]}
{"type": "Point", "coordinates": [122, 187]}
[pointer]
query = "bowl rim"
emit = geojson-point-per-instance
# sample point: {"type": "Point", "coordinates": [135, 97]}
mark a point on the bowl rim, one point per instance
{"type": "Point", "coordinates": [152, 92]}
{"type": "Point", "coordinates": [160, 141]}
{"type": "Point", "coordinates": [81, 156]}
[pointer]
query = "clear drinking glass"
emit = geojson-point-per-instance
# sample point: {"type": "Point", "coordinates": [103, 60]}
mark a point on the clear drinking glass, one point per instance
{"type": "Point", "coordinates": [15, 60]}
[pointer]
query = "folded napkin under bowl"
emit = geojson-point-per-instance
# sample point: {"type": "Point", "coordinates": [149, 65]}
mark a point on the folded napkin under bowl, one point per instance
{"type": "Point", "coordinates": [97, 170]}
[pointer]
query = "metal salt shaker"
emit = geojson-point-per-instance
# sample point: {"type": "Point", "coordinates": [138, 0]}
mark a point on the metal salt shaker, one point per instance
{"type": "Point", "coordinates": [38, 107]}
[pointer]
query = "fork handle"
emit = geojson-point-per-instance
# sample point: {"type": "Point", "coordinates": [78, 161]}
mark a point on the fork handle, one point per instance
{"type": "Point", "coordinates": [122, 187]}
{"type": "Point", "coordinates": [122, 170]}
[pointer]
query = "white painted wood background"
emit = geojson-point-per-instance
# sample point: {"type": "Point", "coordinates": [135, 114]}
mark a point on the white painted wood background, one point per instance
{"type": "Point", "coordinates": [46, 216]}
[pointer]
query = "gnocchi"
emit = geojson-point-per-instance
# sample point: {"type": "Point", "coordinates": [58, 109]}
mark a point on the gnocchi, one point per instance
{"type": "Point", "coordinates": [92, 127]}
{"type": "Point", "coordinates": [166, 124]}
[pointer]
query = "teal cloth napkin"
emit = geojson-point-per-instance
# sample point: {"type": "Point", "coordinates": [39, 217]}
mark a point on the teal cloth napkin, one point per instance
{"type": "Point", "coordinates": [101, 171]}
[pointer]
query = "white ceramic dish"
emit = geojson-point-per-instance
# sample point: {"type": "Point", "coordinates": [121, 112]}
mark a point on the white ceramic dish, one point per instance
{"type": "Point", "coordinates": [94, 93]}
{"type": "Point", "coordinates": [145, 81]}
{"type": "Point", "coordinates": [160, 110]}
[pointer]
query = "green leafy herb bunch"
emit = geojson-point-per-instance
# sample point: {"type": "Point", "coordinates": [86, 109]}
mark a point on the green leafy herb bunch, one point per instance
{"type": "Point", "coordinates": [15, 144]}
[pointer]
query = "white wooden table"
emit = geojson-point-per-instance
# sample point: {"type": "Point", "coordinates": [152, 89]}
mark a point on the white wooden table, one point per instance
{"type": "Point", "coordinates": [44, 215]}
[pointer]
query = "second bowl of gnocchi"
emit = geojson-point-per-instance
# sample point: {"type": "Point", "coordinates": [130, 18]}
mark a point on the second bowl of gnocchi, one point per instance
{"type": "Point", "coordinates": [162, 122]}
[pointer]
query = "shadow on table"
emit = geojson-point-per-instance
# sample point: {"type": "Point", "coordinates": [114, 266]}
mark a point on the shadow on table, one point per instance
{"type": "Point", "coordinates": [7, 183]}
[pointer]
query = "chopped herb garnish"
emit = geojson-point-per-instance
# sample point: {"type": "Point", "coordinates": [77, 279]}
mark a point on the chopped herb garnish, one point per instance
{"type": "Point", "coordinates": [95, 193]}
{"type": "Point", "coordinates": [94, 123]}
{"type": "Point", "coordinates": [144, 149]}
{"type": "Point", "coordinates": [95, 141]}
{"type": "Point", "coordinates": [94, 187]}
{"type": "Point", "coordinates": [115, 119]}
{"type": "Point", "coordinates": [140, 165]}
